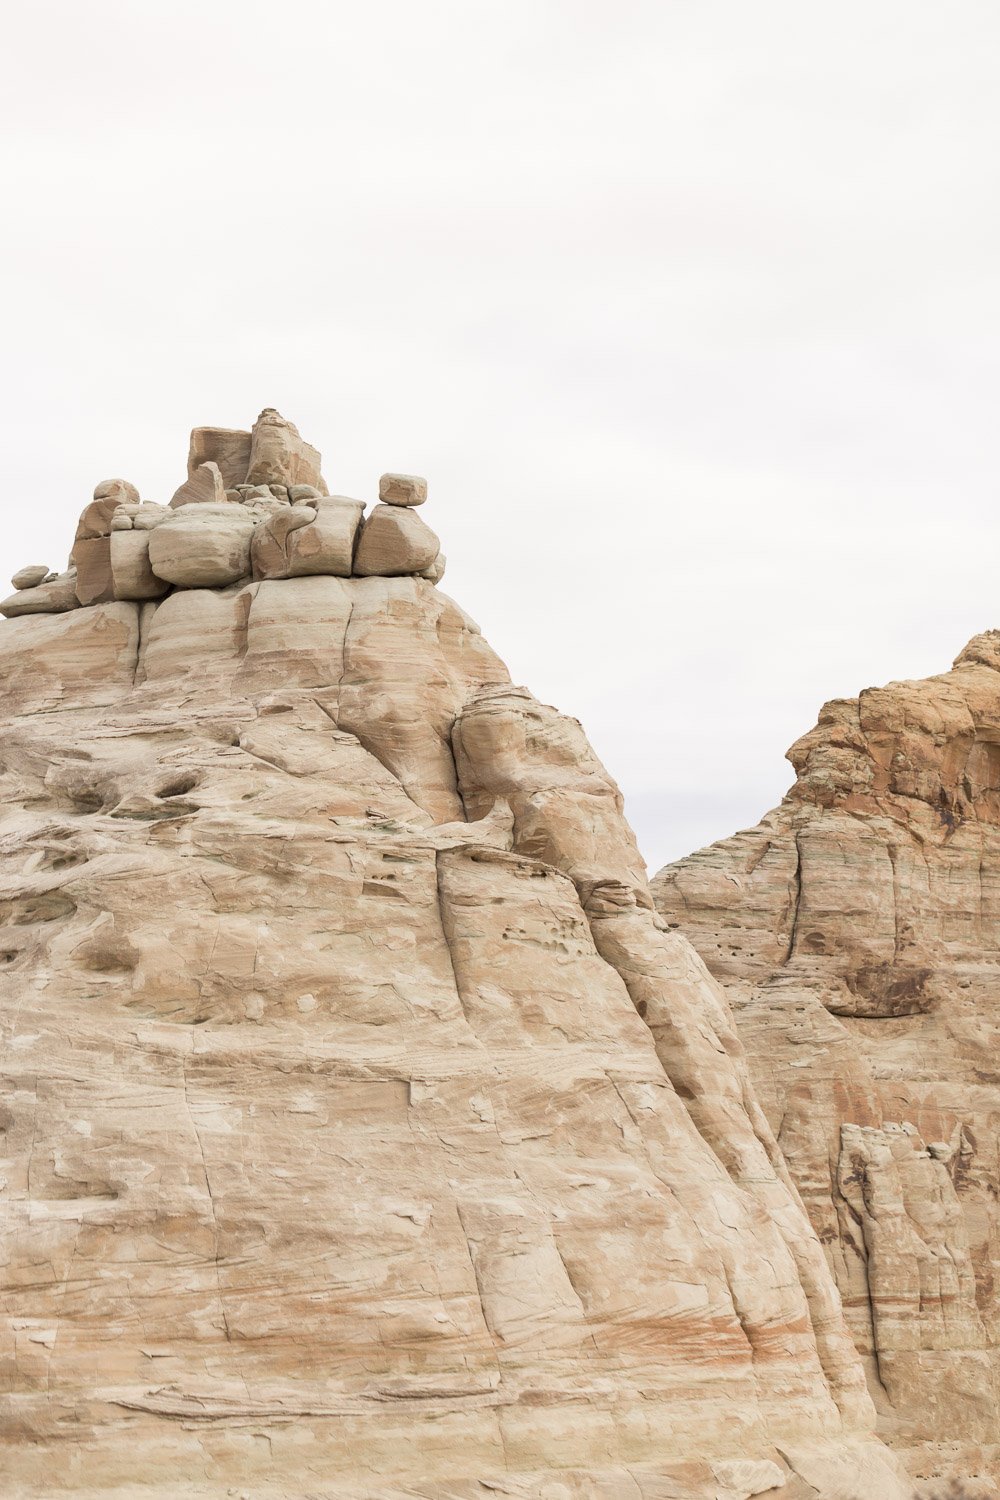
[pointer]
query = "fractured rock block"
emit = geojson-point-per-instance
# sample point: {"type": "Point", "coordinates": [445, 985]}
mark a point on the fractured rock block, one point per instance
{"type": "Point", "coordinates": [278, 455]}
{"type": "Point", "coordinates": [402, 489]}
{"type": "Point", "coordinates": [395, 541]}
{"type": "Point", "coordinates": [92, 560]}
{"type": "Point", "coordinates": [270, 545]}
{"type": "Point", "coordinates": [95, 519]}
{"type": "Point", "coordinates": [202, 546]}
{"type": "Point", "coordinates": [303, 540]}
{"type": "Point", "coordinates": [205, 487]}
{"type": "Point", "coordinates": [132, 576]}
{"type": "Point", "coordinates": [226, 447]}
{"type": "Point", "coordinates": [51, 598]}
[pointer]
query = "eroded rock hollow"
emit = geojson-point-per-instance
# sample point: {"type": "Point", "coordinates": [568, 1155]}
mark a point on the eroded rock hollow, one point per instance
{"type": "Point", "coordinates": [856, 931]}
{"type": "Point", "coordinates": [368, 1133]}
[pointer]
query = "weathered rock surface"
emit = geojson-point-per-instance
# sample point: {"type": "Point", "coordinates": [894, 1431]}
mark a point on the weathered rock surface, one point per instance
{"type": "Point", "coordinates": [302, 539]}
{"type": "Point", "coordinates": [857, 933]}
{"type": "Point", "coordinates": [226, 447]}
{"type": "Point", "coordinates": [45, 598]}
{"type": "Point", "coordinates": [278, 455]}
{"type": "Point", "coordinates": [402, 489]}
{"type": "Point", "coordinates": [95, 520]}
{"type": "Point", "coordinates": [132, 575]}
{"type": "Point", "coordinates": [205, 486]}
{"type": "Point", "coordinates": [395, 541]}
{"type": "Point", "coordinates": [91, 557]}
{"type": "Point", "coordinates": [368, 1134]}
{"type": "Point", "coordinates": [435, 572]}
{"type": "Point", "coordinates": [149, 515]}
{"type": "Point", "coordinates": [203, 546]}
{"type": "Point", "coordinates": [30, 577]}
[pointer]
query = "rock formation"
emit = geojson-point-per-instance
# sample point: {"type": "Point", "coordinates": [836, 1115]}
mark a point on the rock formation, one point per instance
{"type": "Point", "coordinates": [367, 1133]}
{"type": "Point", "coordinates": [254, 506]}
{"type": "Point", "coordinates": [856, 931]}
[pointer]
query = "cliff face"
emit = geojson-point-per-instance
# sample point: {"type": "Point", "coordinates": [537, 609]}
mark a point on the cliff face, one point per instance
{"type": "Point", "coordinates": [368, 1134]}
{"type": "Point", "coordinates": [856, 930]}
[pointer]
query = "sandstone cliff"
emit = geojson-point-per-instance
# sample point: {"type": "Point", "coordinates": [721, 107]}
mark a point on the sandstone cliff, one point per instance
{"type": "Point", "coordinates": [367, 1133]}
{"type": "Point", "coordinates": [856, 930]}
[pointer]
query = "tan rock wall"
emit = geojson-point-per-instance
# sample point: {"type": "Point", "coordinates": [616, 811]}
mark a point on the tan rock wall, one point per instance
{"type": "Point", "coordinates": [857, 933]}
{"type": "Point", "coordinates": [344, 1161]}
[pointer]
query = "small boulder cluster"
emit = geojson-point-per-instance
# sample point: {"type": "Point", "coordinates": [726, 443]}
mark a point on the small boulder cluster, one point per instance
{"type": "Point", "coordinates": [254, 505]}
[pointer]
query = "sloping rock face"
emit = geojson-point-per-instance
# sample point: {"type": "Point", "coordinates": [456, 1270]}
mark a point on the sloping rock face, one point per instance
{"type": "Point", "coordinates": [367, 1133]}
{"type": "Point", "coordinates": [856, 930]}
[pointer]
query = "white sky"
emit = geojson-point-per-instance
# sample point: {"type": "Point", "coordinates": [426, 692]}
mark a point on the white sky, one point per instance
{"type": "Point", "coordinates": [688, 309]}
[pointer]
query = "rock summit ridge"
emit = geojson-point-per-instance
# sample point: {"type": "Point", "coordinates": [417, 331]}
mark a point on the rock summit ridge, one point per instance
{"type": "Point", "coordinates": [368, 1133]}
{"type": "Point", "coordinates": [254, 505]}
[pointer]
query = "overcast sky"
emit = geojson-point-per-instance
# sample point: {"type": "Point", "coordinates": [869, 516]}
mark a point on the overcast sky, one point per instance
{"type": "Point", "coordinates": [687, 309]}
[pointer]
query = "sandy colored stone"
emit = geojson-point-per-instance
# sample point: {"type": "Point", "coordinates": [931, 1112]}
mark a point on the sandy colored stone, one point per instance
{"type": "Point", "coordinates": [119, 490]}
{"type": "Point", "coordinates": [202, 546]}
{"type": "Point", "coordinates": [299, 540]}
{"type": "Point", "coordinates": [402, 489]}
{"type": "Point", "coordinates": [397, 1172]}
{"type": "Point", "coordinates": [204, 487]}
{"type": "Point", "coordinates": [53, 596]}
{"type": "Point", "coordinates": [857, 933]}
{"type": "Point", "coordinates": [394, 541]}
{"type": "Point", "coordinates": [95, 519]}
{"type": "Point", "coordinates": [30, 577]}
{"type": "Point", "coordinates": [226, 447]}
{"type": "Point", "coordinates": [149, 515]}
{"type": "Point", "coordinates": [132, 576]}
{"type": "Point", "coordinates": [435, 572]}
{"type": "Point", "coordinates": [367, 1134]}
{"type": "Point", "coordinates": [279, 455]}
{"type": "Point", "coordinates": [91, 558]}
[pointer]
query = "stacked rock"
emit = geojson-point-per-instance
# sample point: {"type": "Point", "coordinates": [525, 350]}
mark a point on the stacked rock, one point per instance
{"type": "Point", "coordinates": [254, 506]}
{"type": "Point", "coordinates": [40, 592]}
{"type": "Point", "coordinates": [394, 541]}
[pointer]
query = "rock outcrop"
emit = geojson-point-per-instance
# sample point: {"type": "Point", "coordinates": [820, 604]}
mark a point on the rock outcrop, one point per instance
{"type": "Point", "coordinates": [856, 931]}
{"type": "Point", "coordinates": [254, 506]}
{"type": "Point", "coordinates": [367, 1132]}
